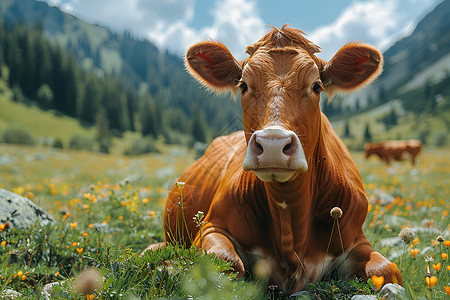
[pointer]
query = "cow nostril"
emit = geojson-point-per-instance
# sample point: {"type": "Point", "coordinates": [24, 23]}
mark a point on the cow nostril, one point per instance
{"type": "Point", "coordinates": [259, 148]}
{"type": "Point", "coordinates": [289, 149]}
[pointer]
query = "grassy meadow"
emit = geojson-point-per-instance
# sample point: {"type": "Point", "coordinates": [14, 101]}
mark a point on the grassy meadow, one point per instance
{"type": "Point", "coordinates": [109, 208]}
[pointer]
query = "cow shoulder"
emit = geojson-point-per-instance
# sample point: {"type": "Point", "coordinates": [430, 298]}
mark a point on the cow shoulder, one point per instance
{"type": "Point", "coordinates": [338, 178]}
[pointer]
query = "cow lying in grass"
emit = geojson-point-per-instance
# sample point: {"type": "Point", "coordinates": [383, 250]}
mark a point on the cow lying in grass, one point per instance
{"type": "Point", "coordinates": [267, 192]}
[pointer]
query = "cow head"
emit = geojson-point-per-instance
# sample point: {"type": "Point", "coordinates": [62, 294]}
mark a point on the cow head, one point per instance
{"type": "Point", "coordinates": [280, 84]}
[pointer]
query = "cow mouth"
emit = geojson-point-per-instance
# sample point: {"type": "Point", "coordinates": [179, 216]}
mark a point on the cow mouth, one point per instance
{"type": "Point", "coordinates": [274, 174]}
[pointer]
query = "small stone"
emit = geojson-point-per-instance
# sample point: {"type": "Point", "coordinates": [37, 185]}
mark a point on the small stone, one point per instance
{"type": "Point", "coordinates": [393, 291]}
{"type": "Point", "coordinates": [301, 295]}
{"type": "Point", "coordinates": [10, 294]}
{"type": "Point", "coordinates": [48, 289]}
{"type": "Point", "coordinates": [364, 297]}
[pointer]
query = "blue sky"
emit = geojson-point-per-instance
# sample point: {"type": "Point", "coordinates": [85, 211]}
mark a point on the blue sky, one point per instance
{"type": "Point", "coordinates": [176, 24]}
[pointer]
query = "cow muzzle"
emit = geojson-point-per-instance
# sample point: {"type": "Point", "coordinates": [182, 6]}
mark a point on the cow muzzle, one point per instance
{"type": "Point", "coordinates": [275, 154]}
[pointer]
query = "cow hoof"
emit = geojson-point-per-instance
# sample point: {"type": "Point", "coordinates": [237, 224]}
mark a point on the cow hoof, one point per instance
{"type": "Point", "coordinates": [154, 247]}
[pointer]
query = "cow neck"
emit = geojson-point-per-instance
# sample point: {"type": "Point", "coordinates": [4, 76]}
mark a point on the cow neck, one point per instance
{"type": "Point", "coordinates": [289, 205]}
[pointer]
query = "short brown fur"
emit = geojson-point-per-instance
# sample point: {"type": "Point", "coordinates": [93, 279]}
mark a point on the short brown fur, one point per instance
{"type": "Point", "coordinates": [394, 150]}
{"type": "Point", "coordinates": [287, 224]}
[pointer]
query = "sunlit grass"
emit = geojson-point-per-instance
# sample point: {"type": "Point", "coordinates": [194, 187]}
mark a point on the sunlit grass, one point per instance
{"type": "Point", "coordinates": [109, 208]}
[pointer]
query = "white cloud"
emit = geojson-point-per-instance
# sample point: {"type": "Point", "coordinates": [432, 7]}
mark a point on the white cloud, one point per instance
{"type": "Point", "coordinates": [370, 22]}
{"type": "Point", "coordinates": [236, 24]}
{"type": "Point", "coordinates": [377, 22]}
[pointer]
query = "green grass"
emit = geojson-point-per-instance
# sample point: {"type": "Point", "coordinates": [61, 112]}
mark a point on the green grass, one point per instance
{"type": "Point", "coordinates": [123, 198]}
{"type": "Point", "coordinates": [50, 124]}
{"type": "Point", "coordinates": [36, 121]}
{"type": "Point", "coordinates": [410, 126]}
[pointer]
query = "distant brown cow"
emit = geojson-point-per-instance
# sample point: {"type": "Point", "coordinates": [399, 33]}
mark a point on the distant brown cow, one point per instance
{"type": "Point", "coordinates": [394, 150]}
{"type": "Point", "coordinates": [267, 192]}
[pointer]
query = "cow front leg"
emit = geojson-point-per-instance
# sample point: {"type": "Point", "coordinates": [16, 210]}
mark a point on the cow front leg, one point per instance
{"type": "Point", "coordinates": [365, 262]}
{"type": "Point", "coordinates": [219, 244]}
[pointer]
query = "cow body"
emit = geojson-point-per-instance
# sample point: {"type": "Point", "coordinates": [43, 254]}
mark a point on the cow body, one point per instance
{"type": "Point", "coordinates": [267, 192]}
{"type": "Point", "coordinates": [394, 150]}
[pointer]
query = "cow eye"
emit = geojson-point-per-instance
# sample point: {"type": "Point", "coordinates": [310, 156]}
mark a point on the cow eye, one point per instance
{"type": "Point", "coordinates": [243, 86]}
{"type": "Point", "coordinates": [317, 88]}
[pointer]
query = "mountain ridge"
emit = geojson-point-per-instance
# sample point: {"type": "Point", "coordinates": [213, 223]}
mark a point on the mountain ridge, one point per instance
{"type": "Point", "coordinates": [418, 60]}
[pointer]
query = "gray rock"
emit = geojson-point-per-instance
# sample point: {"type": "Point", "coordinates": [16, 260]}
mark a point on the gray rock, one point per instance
{"type": "Point", "coordinates": [364, 297]}
{"type": "Point", "coordinates": [7, 160]}
{"type": "Point", "coordinates": [301, 295]}
{"type": "Point", "coordinates": [10, 294]}
{"type": "Point", "coordinates": [47, 290]}
{"type": "Point", "coordinates": [21, 212]}
{"type": "Point", "coordinates": [393, 291]}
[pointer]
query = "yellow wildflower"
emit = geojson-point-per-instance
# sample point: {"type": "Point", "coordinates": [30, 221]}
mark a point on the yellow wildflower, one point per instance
{"type": "Point", "coordinates": [431, 281]}
{"type": "Point", "coordinates": [437, 267]}
{"type": "Point", "coordinates": [377, 281]}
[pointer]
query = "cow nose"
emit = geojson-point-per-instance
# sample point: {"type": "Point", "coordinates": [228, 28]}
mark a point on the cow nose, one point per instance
{"type": "Point", "coordinates": [271, 146]}
{"type": "Point", "coordinates": [274, 149]}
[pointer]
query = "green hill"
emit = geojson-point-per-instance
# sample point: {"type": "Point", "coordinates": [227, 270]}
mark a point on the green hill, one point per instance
{"type": "Point", "coordinates": [135, 62]}
{"type": "Point", "coordinates": [37, 122]}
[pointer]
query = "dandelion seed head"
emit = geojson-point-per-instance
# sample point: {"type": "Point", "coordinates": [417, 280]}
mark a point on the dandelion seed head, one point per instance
{"type": "Point", "coordinates": [407, 235]}
{"type": "Point", "coordinates": [88, 281]}
{"type": "Point", "coordinates": [336, 213]}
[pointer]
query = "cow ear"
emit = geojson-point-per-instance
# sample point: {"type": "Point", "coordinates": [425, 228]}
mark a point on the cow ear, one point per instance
{"type": "Point", "coordinates": [352, 67]}
{"type": "Point", "coordinates": [213, 65]}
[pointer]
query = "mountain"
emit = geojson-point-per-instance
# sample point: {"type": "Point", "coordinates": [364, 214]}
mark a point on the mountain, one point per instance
{"type": "Point", "coordinates": [136, 62]}
{"type": "Point", "coordinates": [415, 83]}
{"type": "Point", "coordinates": [427, 46]}
{"type": "Point", "coordinates": [411, 98]}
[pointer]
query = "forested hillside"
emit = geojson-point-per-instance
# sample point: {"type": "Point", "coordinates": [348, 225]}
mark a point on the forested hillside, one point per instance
{"type": "Point", "coordinates": [120, 82]}
{"type": "Point", "coordinates": [139, 87]}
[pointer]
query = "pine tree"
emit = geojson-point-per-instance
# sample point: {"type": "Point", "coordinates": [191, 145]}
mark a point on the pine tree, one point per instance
{"type": "Point", "coordinates": [347, 130]}
{"type": "Point", "coordinates": [147, 117]}
{"type": "Point", "coordinates": [198, 128]}
{"type": "Point", "coordinates": [393, 117]}
{"type": "Point", "coordinates": [44, 95]}
{"type": "Point", "coordinates": [103, 133]}
{"type": "Point", "coordinates": [89, 100]}
{"type": "Point", "coordinates": [367, 134]}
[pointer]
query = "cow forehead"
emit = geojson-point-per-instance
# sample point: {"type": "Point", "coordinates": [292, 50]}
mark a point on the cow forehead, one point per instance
{"type": "Point", "coordinates": [282, 63]}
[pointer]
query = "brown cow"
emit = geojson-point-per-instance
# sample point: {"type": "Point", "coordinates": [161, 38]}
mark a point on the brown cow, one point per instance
{"type": "Point", "coordinates": [394, 150]}
{"type": "Point", "coordinates": [267, 192]}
